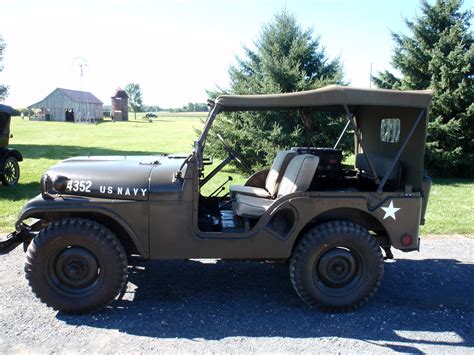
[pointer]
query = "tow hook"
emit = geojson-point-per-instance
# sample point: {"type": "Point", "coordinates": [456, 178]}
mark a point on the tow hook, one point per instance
{"type": "Point", "coordinates": [12, 240]}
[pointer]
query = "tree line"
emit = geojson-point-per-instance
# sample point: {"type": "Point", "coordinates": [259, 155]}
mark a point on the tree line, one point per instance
{"type": "Point", "coordinates": [135, 102]}
{"type": "Point", "coordinates": [436, 53]}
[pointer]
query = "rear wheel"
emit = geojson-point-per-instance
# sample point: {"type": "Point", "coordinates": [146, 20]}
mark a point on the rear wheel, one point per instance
{"type": "Point", "coordinates": [10, 172]}
{"type": "Point", "coordinates": [76, 266]}
{"type": "Point", "coordinates": [336, 266]}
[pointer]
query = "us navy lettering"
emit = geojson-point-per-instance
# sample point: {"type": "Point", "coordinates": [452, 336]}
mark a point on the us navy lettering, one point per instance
{"type": "Point", "coordinates": [125, 191]}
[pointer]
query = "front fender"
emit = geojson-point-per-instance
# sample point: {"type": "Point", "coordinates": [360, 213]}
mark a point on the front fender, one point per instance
{"type": "Point", "coordinates": [53, 209]}
{"type": "Point", "coordinates": [7, 152]}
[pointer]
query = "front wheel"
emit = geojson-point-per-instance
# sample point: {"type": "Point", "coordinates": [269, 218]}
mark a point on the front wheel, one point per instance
{"type": "Point", "coordinates": [336, 266]}
{"type": "Point", "coordinates": [76, 266]}
{"type": "Point", "coordinates": [10, 172]}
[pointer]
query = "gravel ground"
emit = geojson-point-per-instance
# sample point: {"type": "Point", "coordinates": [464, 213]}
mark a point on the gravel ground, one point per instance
{"type": "Point", "coordinates": [425, 304]}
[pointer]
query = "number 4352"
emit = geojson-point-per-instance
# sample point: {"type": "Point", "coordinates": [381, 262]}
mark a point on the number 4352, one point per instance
{"type": "Point", "coordinates": [79, 185]}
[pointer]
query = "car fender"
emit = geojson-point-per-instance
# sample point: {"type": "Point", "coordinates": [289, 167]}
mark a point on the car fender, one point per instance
{"type": "Point", "coordinates": [44, 209]}
{"type": "Point", "coordinates": [8, 152]}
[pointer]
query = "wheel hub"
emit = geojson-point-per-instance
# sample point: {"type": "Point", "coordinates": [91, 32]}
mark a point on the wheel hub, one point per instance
{"type": "Point", "coordinates": [337, 267]}
{"type": "Point", "coordinates": [10, 172]}
{"type": "Point", "coordinates": [76, 267]}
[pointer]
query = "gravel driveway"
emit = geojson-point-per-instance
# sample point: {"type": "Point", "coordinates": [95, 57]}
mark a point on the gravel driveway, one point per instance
{"type": "Point", "coordinates": [425, 304]}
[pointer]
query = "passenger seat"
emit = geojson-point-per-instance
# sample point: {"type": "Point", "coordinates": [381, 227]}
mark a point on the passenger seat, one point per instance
{"type": "Point", "coordinates": [273, 178]}
{"type": "Point", "coordinates": [297, 177]}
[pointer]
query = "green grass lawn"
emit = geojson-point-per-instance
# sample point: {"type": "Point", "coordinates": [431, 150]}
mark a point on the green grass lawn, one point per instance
{"type": "Point", "coordinates": [450, 210]}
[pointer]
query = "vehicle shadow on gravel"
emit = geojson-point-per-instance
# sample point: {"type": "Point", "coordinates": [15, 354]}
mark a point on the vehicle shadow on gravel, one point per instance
{"type": "Point", "coordinates": [189, 299]}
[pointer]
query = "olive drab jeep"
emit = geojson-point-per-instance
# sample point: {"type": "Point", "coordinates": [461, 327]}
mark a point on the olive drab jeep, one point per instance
{"type": "Point", "coordinates": [332, 222]}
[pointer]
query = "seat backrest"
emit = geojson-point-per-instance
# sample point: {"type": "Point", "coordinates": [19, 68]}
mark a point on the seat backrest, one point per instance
{"type": "Point", "coordinates": [277, 170]}
{"type": "Point", "coordinates": [299, 174]}
{"type": "Point", "coordinates": [381, 165]}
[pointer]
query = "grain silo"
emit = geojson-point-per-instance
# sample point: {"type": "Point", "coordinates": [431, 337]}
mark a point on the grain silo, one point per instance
{"type": "Point", "coordinates": [120, 105]}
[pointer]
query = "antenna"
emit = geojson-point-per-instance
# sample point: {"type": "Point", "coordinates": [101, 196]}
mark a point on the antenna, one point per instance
{"type": "Point", "coordinates": [80, 67]}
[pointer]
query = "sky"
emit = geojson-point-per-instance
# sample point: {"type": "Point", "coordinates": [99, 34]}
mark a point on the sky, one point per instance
{"type": "Point", "coordinates": [176, 49]}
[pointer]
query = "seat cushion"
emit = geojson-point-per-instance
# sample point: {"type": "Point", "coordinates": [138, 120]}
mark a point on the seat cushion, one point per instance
{"type": "Point", "coordinates": [277, 170]}
{"type": "Point", "coordinates": [298, 174]}
{"type": "Point", "coordinates": [249, 190]}
{"type": "Point", "coordinates": [273, 179]}
{"type": "Point", "coordinates": [250, 206]}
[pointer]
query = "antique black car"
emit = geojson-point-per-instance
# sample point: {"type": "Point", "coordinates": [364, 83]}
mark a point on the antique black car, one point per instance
{"type": "Point", "coordinates": [9, 158]}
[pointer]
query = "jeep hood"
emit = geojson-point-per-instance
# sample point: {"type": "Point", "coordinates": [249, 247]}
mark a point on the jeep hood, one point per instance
{"type": "Point", "coordinates": [114, 177]}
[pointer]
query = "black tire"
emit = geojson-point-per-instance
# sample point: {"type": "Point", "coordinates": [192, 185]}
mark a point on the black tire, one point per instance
{"type": "Point", "coordinates": [336, 266]}
{"type": "Point", "coordinates": [76, 266]}
{"type": "Point", "coordinates": [10, 172]}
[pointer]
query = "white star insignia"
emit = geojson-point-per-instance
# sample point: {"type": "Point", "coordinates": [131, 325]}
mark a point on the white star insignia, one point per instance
{"type": "Point", "coordinates": [390, 211]}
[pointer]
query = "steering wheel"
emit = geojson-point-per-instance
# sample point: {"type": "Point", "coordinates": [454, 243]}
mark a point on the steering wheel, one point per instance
{"type": "Point", "coordinates": [234, 155]}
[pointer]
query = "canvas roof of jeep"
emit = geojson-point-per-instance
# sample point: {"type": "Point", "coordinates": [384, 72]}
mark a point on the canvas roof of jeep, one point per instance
{"type": "Point", "coordinates": [328, 96]}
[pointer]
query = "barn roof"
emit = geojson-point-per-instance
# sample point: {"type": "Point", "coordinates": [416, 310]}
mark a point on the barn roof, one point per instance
{"type": "Point", "coordinates": [74, 95]}
{"type": "Point", "coordinates": [80, 96]}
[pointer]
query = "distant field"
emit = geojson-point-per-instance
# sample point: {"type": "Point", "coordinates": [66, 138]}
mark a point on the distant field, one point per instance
{"type": "Point", "coordinates": [166, 114]}
{"type": "Point", "coordinates": [450, 210]}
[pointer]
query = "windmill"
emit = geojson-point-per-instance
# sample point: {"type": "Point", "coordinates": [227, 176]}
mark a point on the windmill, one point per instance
{"type": "Point", "coordinates": [80, 67]}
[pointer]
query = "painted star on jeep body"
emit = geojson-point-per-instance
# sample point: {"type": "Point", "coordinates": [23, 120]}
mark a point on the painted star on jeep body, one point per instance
{"type": "Point", "coordinates": [390, 211]}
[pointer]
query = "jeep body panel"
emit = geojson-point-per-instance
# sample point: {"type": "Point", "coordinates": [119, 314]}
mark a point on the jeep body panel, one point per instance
{"type": "Point", "coordinates": [117, 177]}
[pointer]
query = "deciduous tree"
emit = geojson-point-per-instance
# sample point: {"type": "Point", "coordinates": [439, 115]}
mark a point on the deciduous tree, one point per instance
{"type": "Point", "coordinates": [135, 100]}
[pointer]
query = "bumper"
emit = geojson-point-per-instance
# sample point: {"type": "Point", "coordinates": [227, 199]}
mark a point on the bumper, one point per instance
{"type": "Point", "coordinates": [12, 240]}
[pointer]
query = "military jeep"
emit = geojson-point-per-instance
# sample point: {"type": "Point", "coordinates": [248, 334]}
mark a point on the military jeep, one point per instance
{"type": "Point", "coordinates": [334, 224]}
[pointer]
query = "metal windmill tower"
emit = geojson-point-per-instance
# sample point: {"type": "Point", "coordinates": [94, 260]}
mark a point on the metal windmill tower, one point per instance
{"type": "Point", "coordinates": [80, 66]}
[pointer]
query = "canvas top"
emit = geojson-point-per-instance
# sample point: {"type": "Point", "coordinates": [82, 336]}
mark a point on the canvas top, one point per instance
{"type": "Point", "coordinates": [329, 96]}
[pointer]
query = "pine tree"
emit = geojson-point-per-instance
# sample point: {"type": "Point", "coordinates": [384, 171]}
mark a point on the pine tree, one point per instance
{"type": "Point", "coordinates": [439, 54]}
{"type": "Point", "coordinates": [286, 58]}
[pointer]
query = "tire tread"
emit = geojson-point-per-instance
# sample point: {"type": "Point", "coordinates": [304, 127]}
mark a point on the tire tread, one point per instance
{"type": "Point", "coordinates": [315, 236]}
{"type": "Point", "coordinates": [99, 234]}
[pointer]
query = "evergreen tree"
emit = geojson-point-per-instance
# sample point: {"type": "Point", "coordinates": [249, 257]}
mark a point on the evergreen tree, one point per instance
{"type": "Point", "coordinates": [439, 54]}
{"type": "Point", "coordinates": [3, 88]}
{"type": "Point", "coordinates": [286, 58]}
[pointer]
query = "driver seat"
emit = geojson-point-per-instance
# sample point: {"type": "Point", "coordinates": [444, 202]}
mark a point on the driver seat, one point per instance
{"type": "Point", "coordinates": [297, 178]}
{"type": "Point", "coordinates": [272, 181]}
